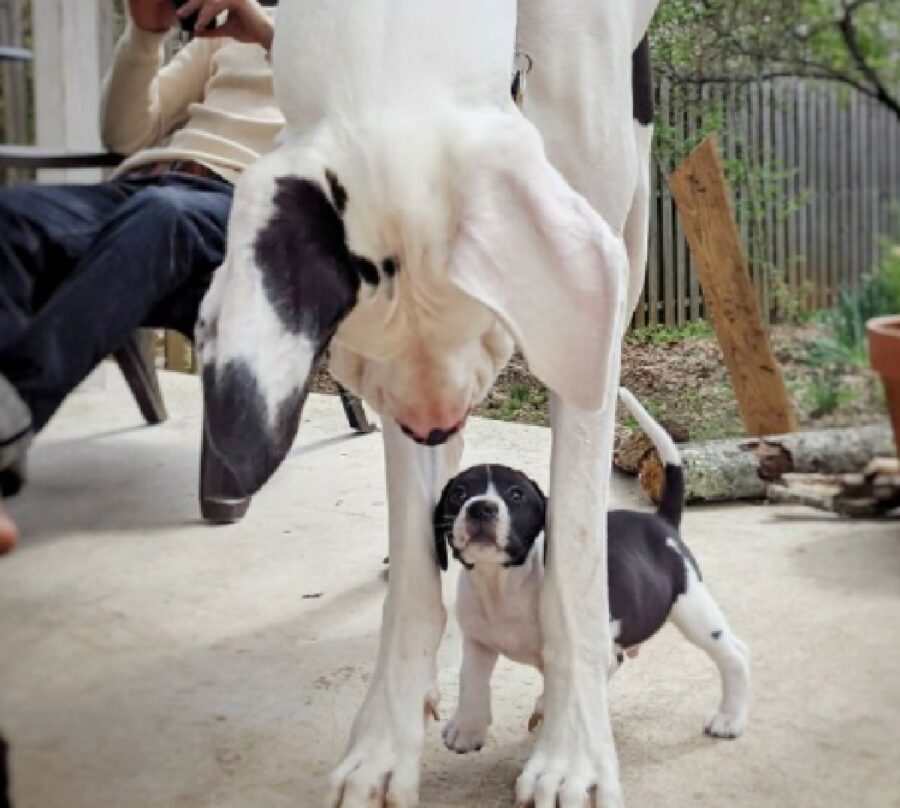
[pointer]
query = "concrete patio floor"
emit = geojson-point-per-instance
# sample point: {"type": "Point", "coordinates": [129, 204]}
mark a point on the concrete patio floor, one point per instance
{"type": "Point", "coordinates": [149, 660]}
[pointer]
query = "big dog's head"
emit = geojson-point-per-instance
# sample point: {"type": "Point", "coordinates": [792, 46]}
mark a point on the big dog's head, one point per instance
{"type": "Point", "coordinates": [423, 249]}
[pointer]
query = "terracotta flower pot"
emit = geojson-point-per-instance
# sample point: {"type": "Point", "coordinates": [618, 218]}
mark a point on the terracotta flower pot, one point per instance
{"type": "Point", "coordinates": [884, 350]}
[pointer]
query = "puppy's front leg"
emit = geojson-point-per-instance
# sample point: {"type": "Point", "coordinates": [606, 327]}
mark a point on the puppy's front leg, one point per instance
{"type": "Point", "coordinates": [381, 767]}
{"type": "Point", "coordinates": [467, 731]}
{"type": "Point", "coordinates": [574, 761]}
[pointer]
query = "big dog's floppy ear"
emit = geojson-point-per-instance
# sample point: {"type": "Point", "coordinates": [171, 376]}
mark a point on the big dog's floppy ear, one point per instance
{"type": "Point", "coordinates": [287, 283]}
{"type": "Point", "coordinates": [536, 253]}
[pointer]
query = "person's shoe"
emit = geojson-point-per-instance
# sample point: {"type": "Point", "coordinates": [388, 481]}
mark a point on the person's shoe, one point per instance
{"type": "Point", "coordinates": [15, 425]}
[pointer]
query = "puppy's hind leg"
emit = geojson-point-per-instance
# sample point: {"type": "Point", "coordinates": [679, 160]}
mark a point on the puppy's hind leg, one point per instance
{"type": "Point", "coordinates": [467, 730]}
{"type": "Point", "coordinates": [700, 620]}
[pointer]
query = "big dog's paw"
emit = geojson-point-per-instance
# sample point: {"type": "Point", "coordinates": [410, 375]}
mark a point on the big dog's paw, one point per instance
{"type": "Point", "coordinates": [381, 767]}
{"type": "Point", "coordinates": [552, 781]}
{"type": "Point", "coordinates": [726, 726]}
{"type": "Point", "coordinates": [463, 735]}
{"type": "Point", "coordinates": [374, 775]}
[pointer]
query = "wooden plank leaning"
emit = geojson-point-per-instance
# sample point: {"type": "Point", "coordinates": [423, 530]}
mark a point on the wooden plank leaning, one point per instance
{"type": "Point", "coordinates": [704, 206]}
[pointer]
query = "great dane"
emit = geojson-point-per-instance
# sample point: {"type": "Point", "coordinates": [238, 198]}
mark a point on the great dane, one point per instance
{"type": "Point", "coordinates": [417, 224]}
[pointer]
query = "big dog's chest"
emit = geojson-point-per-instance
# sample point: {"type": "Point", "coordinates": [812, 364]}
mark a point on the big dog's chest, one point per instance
{"type": "Point", "coordinates": [335, 58]}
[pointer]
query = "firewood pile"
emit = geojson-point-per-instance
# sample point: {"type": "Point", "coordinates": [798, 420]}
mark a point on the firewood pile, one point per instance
{"type": "Point", "coordinates": [873, 493]}
{"type": "Point", "coordinates": [819, 469]}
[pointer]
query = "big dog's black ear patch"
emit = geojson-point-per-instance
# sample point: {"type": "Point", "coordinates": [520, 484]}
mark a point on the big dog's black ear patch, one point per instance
{"type": "Point", "coordinates": [287, 284]}
{"type": "Point", "coordinates": [310, 276]}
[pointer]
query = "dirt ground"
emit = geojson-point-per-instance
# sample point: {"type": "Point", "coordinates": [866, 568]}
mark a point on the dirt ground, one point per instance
{"type": "Point", "coordinates": [685, 382]}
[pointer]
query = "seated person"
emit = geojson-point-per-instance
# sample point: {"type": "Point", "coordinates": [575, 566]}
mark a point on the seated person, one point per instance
{"type": "Point", "coordinates": [82, 266]}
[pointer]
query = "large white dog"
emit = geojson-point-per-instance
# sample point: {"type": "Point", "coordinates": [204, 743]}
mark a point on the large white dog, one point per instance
{"type": "Point", "coordinates": [412, 222]}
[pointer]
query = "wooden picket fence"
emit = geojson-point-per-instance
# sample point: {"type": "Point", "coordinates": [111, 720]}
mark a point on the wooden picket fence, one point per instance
{"type": "Point", "coordinates": [835, 152]}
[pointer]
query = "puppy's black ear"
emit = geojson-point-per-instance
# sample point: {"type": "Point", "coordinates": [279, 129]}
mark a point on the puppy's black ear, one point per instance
{"type": "Point", "coordinates": [440, 530]}
{"type": "Point", "coordinates": [543, 498]}
{"type": "Point", "coordinates": [288, 282]}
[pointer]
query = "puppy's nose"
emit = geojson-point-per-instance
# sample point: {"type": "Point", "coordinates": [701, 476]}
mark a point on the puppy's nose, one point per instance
{"type": "Point", "coordinates": [483, 511]}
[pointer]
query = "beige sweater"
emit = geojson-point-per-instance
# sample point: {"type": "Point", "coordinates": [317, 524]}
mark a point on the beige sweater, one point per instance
{"type": "Point", "coordinates": [213, 103]}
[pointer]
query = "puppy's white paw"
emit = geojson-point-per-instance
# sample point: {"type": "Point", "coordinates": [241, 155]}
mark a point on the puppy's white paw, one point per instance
{"type": "Point", "coordinates": [726, 726]}
{"type": "Point", "coordinates": [463, 735]}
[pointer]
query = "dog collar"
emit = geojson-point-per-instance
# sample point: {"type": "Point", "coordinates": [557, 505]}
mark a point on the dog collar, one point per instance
{"type": "Point", "coordinates": [522, 65]}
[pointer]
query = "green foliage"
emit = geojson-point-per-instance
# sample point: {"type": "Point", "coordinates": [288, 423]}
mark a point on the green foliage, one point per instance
{"type": "Point", "coordinates": [664, 335]}
{"type": "Point", "coordinates": [790, 301]}
{"type": "Point", "coordinates": [825, 394]}
{"type": "Point", "coordinates": [856, 43]}
{"type": "Point", "coordinates": [878, 295]}
{"type": "Point", "coordinates": [524, 402]}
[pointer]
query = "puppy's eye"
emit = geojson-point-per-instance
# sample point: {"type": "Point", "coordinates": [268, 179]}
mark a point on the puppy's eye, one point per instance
{"type": "Point", "coordinates": [458, 494]}
{"type": "Point", "coordinates": [515, 494]}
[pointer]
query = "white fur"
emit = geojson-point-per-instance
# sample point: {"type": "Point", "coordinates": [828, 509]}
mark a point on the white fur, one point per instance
{"type": "Point", "coordinates": [408, 104]}
{"type": "Point", "coordinates": [665, 446]}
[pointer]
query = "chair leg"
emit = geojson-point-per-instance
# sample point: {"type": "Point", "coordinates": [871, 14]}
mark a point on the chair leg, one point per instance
{"type": "Point", "coordinates": [356, 413]}
{"type": "Point", "coordinates": [137, 362]}
{"type": "Point", "coordinates": [220, 501]}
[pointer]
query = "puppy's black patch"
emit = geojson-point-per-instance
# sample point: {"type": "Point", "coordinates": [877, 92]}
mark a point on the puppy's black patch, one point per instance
{"type": "Point", "coordinates": [338, 191]}
{"type": "Point", "coordinates": [642, 83]}
{"type": "Point", "coordinates": [717, 634]}
{"type": "Point", "coordinates": [646, 573]}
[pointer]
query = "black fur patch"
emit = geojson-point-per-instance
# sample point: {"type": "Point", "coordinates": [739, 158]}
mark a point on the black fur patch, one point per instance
{"type": "Point", "coordinates": [717, 634]}
{"type": "Point", "coordinates": [642, 83]}
{"type": "Point", "coordinates": [237, 423]}
{"type": "Point", "coordinates": [646, 574]}
{"type": "Point", "coordinates": [338, 191]}
{"type": "Point", "coordinates": [671, 505]}
{"type": "Point", "coordinates": [309, 274]}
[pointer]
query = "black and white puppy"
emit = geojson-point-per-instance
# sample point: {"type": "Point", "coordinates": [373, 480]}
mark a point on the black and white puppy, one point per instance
{"type": "Point", "coordinates": [492, 517]}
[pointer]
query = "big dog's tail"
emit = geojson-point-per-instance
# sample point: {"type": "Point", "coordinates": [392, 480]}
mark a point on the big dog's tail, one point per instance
{"type": "Point", "coordinates": [671, 504]}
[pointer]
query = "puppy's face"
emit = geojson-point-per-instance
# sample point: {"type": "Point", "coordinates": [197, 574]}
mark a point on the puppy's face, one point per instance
{"type": "Point", "coordinates": [490, 516]}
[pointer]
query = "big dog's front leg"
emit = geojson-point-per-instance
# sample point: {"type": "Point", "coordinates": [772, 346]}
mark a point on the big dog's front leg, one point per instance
{"type": "Point", "coordinates": [574, 762]}
{"type": "Point", "coordinates": [381, 767]}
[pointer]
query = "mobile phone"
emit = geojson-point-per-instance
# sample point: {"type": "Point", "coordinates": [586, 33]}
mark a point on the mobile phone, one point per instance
{"type": "Point", "coordinates": [187, 23]}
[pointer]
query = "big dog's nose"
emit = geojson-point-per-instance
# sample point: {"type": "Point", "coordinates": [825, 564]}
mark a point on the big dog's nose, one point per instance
{"type": "Point", "coordinates": [432, 429]}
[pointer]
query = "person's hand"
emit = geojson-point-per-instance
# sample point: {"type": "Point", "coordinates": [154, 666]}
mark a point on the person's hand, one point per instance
{"type": "Point", "coordinates": [246, 21]}
{"type": "Point", "coordinates": [157, 16]}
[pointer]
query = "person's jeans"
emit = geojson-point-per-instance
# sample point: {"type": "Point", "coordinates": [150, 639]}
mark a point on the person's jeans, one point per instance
{"type": "Point", "coordinates": [81, 267]}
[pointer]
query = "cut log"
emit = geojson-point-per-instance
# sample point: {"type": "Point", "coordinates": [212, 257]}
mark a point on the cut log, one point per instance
{"type": "Point", "coordinates": [873, 493]}
{"type": "Point", "coordinates": [728, 470]}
